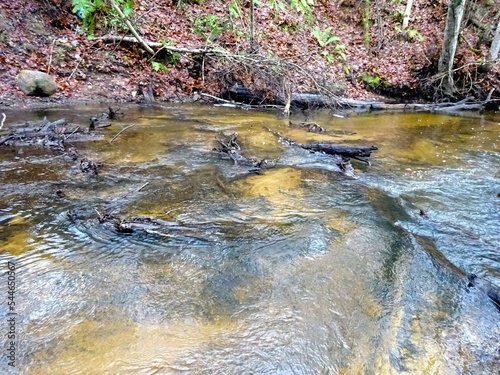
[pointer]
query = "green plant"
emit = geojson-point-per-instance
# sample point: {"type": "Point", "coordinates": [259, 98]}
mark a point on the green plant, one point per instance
{"type": "Point", "coordinates": [207, 26]}
{"type": "Point", "coordinates": [93, 11]}
{"type": "Point", "coordinates": [159, 67]}
{"type": "Point", "coordinates": [340, 51]}
{"type": "Point", "coordinates": [324, 37]}
{"type": "Point", "coordinates": [369, 80]}
{"type": "Point", "coordinates": [328, 56]}
{"type": "Point", "coordinates": [398, 16]}
{"type": "Point", "coordinates": [412, 34]}
{"type": "Point", "coordinates": [234, 9]}
{"type": "Point", "coordinates": [301, 6]}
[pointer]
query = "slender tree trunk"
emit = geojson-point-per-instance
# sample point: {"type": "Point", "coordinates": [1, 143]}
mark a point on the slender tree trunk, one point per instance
{"type": "Point", "coordinates": [494, 50]}
{"type": "Point", "coordinates": [252, 25]}
{"type": "Point", "coordinates": [407, 15]}
{"type": "Point", "coordinates": [453, 20]}
{"type": "Point", "coordinates": [365, 19]}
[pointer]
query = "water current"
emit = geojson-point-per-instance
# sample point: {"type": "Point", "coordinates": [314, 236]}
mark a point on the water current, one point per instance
{"type": "Point", "coordinates": [298, 269]}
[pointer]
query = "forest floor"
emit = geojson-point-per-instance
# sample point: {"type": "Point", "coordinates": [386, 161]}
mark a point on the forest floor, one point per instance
{"type": "Point", "coordinates": [362, 56]}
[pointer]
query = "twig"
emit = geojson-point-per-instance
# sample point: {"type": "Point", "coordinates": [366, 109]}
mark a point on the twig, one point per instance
{"type": "Point", "coordinates": [74, 70]}
{"type": "Point", "coordinates": [3, 119]}
{"type": "Point", "coordinates": [143, 186]}
{"type": "Point", "coordinates": [488, 98]}
{"type": "Point", "coordinates": [50, 56]}
{"type": "Point", "coordinates": [120, 132]}
{"type": "Point", "coordinates": [73, 132]}
{"type": "Point", "coordinates": [244, 105]}
{"type": "Point", "coordinates": [216, 98]}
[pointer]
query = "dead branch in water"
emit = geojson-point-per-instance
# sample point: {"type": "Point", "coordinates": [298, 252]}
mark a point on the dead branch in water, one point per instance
{"type": "Point", "coordinates": [120, 132]}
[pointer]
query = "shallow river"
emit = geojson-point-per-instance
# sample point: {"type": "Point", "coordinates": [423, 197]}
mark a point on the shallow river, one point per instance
{"type": "Point", "coordinates": [299, 269]}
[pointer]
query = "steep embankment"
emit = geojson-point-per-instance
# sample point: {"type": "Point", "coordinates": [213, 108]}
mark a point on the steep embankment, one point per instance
{"type": "Point", "coordinates": [345, 47]}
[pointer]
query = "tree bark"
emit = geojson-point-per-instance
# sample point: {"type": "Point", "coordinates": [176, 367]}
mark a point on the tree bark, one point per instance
{"type": "Point", "coordinates": [252, 25]}
{"type": "Point", "coordinates": [494, 50]}
{"type": "Point", "coordinates": [406, 17]}
{"type": "Point", "coordinates": [453, 20]}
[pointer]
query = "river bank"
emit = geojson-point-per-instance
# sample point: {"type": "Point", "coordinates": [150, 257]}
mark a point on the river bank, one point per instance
{"type": "Point", "coordinates": [327, 48]}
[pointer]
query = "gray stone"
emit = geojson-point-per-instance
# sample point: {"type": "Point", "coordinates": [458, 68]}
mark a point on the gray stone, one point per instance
{"type": "Point", "coordinates": [35, 83]}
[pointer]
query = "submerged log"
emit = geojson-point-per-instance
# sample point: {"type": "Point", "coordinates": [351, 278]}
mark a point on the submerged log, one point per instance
{"type": "Point", "coordinates": [330, 148]}
{"type": "Point", "coordinates": [336, 149]}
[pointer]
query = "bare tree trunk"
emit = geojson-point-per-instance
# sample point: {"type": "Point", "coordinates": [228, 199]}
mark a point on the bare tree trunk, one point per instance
{"type": "Point", "coordinates": [365, 10]}
{"type": "Point", "coordinates": [494, 50]}
{"type": "Point", "coordinates": [406, 18]}
{"type": "Point", "coordinates": [252, 25]}
{"type": "Point", "coordinates": [453, 20]}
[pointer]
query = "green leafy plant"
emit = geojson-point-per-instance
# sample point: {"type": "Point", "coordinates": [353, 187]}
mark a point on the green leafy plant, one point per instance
{"type": "Point", "coordinates": [340, 51]}
{"type": "Point", "coordinates": [159, 67]}
{"type": "Point", "coordinates": [412, 34]}
{"type": "Point", "coordinates": [328, 56]}
{"type": "Point", "coordinates": [94, 11]}
{"type": "Point", "coordinates": [369, 80]}
{"type": "Point", "coordinates": [324, 37]}
{"type": "Point", "coordinates": [207, 26]}
{"type": "Point", "coordinates": [234, 9]}
{"type": "Point", "coordinates": [301, 6]}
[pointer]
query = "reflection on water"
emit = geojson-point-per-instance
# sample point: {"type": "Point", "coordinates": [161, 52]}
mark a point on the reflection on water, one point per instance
{"type": "Point", "coordinates": [295, 270]}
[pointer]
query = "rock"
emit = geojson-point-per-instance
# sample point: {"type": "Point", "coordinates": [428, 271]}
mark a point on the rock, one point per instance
{"type": "Point", "coordinates": [36, 83]}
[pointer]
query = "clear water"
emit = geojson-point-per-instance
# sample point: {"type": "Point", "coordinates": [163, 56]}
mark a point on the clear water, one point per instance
{"type": "Point", "coordinates": [298, 270]}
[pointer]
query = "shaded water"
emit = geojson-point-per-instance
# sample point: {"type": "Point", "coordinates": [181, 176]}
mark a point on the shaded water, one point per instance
{"type": "Point", "coordinates": [298, 270]}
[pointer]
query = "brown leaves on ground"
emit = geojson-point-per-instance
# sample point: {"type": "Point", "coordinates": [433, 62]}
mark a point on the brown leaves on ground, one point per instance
{"type": "Point", "coordinates": [44, 35]}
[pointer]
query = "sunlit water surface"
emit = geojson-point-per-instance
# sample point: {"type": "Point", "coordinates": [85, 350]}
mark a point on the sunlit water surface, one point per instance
{"type": "Point", "coordinates": [296, 270]}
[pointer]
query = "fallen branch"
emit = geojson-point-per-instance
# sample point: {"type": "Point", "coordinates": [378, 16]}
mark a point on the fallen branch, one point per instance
{"type": "Point", "coordinates": [131, 28]}
{"type": "Point", "coordinates": [120, 132]}
{"type": "Point", "coordinates": [151, 45]}
{"type": "Point", "coordinates": [238, 104]}
{"type": "Point", "coordinates": [143, 186]}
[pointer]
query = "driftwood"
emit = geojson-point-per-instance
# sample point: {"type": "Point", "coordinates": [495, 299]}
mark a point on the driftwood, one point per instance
{"type": "Point", "coordinates": [103, 120]}
{"type": "Point", "coordinates": [230, 147]}
{"type": "Point", "coordinates": [331, 148]}
{"type": "Point", "coordinates": [311, 127]}
{"type": "Point", "coordinates": [48, 134]}
{"type": "Point", "coordinates": [325, 101]}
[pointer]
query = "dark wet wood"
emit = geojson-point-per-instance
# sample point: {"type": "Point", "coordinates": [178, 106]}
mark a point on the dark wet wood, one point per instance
{"type": "Point", "coordinates": [229, 146]}
{"type": "Point", "coordinates": [336, 149]}
{"type": "Point", "coordinates": [48, 134]}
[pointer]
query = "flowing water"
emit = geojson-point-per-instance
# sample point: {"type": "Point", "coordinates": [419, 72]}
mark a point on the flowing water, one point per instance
{"type": "Point", "coordinates": [298, 269]}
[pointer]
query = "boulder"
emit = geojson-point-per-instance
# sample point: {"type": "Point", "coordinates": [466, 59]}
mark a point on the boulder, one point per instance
{"type": "Point", "coordinates": [33, 82]}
